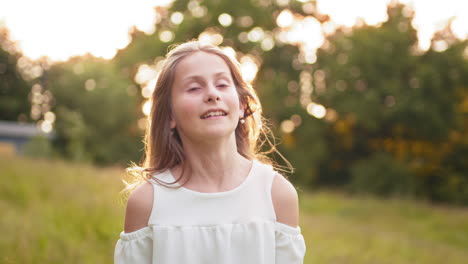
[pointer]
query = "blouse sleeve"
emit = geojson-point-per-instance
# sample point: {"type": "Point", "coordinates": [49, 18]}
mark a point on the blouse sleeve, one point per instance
{"type": "Point", "coordinates": [290, 244]}
{"type": "Point", "coordinates": [134, 247]}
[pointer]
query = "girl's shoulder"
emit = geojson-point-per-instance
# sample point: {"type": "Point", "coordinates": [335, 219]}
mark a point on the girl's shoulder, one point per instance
{"type": "Point", "coordinates": [139, 206]}
{"type": "Point", "coordinates": [285, 200]}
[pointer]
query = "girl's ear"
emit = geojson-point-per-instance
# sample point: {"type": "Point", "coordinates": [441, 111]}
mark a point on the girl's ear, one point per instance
{"type": "Point", "coordinates": [172, 123]}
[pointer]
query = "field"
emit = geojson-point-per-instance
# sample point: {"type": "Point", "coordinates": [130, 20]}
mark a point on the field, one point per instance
{"type": "Point", "coordinates": [58, 212]}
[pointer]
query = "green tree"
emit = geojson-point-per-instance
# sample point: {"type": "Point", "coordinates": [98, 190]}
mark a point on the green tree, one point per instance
{"type": "Point", "coordinates": [391, 98]}
{"type": "Point", "coordinates": [14, 89]}
{"type": "Point", "coordinates": [96, 109]}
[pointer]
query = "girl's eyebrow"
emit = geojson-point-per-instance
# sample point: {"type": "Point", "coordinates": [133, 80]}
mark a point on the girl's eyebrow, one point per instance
{"type": "Point", "coordinates": [200, 78]}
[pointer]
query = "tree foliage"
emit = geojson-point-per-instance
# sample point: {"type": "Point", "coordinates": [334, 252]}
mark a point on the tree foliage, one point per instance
{"type": "Point", "coordinates": [388, 97]}
{"type": "Point", "coordinates": [97, 111]}
{"type": "Point", "coordinates": [14, 89]}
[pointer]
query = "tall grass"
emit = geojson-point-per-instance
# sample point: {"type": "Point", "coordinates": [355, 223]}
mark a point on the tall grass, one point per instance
{"type": "Point", "coordinates": [58, 212]}
{"type": "Point", "coordinates": [346, 229]}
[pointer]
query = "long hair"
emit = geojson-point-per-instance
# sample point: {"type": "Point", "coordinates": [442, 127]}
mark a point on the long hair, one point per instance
{"type": "Point", "coordinates": [163, 146]}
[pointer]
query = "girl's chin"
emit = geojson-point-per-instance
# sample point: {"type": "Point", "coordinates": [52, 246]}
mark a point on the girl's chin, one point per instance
{"type": "Point", "coordinates": [214, 134]}
{"type": "Point", "coordinates": [210, 132]}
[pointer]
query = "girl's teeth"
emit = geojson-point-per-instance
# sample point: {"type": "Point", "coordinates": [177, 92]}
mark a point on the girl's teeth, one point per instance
{"type": "Point", "coordinates": [213, 114]}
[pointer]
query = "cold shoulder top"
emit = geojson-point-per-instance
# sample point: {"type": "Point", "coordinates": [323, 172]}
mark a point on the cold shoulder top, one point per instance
{"type": "Point", "coordinates": [232, 227]}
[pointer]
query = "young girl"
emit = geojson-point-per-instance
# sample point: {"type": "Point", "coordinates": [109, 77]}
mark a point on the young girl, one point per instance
{"type": "Point", "coordinates": [208, 195]}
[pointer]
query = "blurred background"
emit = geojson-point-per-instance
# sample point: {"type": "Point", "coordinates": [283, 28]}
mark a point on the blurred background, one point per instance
{"type": "Point", "coordinates": [368, 100]}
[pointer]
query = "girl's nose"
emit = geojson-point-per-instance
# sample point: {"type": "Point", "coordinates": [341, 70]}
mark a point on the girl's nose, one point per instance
{"type": "Point", "coordinates": [212, 94]}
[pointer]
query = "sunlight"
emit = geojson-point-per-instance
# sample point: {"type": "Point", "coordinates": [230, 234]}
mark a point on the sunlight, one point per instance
{"type": "Point", "coordinates": [430, 15]}
{"type": "Point", "coordinates": [81, 28]}
{"type": "Point", "coordinates": [292, 32]}
{"type": "Point", "coordinates": [347, 12]}
{"type": "Point", "coordinates": [61, 29]}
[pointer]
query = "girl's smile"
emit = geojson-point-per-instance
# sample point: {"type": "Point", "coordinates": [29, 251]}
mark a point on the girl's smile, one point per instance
{"type": "Point", "coordinates": [213, 114]}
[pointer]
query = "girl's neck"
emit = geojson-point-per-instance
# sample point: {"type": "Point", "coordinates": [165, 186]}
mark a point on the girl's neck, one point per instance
{"type": "Point", "coordinates": [213, 167]}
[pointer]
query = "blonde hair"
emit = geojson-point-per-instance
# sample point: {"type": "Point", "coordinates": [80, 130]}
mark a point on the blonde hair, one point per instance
{"type": "Point", "coordinates": [163, 147]}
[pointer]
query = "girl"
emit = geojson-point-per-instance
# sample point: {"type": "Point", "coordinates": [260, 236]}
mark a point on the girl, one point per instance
{"type": "Point", "coordinates": [208, 195]}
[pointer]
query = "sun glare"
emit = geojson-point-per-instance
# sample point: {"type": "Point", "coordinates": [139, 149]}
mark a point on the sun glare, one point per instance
{"type": "Point", "coordinates": [61, 29]}
{"type": "Point", "coordinates": [430, 15]}
{"type": "Point", "coordinates": [348, 12]}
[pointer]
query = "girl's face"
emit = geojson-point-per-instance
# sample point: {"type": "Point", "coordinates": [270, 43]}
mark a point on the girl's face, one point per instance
{"type": "Point", "coordinates": [205, 102]}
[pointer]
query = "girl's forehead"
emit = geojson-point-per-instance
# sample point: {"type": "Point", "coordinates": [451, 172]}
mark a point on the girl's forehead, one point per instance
{"type": "Point", "coordinates": [201, 63]}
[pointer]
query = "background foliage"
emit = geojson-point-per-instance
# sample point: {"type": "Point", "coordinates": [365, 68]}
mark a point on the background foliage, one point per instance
{"type": "Point", "coordinates": [396, 116]}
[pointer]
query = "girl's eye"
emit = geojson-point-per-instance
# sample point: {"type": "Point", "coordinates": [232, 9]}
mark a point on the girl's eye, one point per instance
{"type": "Point", "coordinates": [193, 89]}
{"type": "Point", "coordinates": [222, 85]}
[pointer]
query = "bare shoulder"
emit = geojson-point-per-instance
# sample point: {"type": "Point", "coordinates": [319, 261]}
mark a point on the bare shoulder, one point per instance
{"type": "Point", "coordinates": [285, 201]}
{"type": "Point", "coordinates": [139, 206]}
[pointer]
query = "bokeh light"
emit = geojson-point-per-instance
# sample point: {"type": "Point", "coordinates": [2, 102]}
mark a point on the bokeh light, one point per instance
{"type": "Point", "coordinates": [148, 88]}
{"type": "Point", "coordinates": [146, 108]}
{"type": "Point", "coordinates": [177, 18]}
{"type": "Point", "coordinates": [166, 36]}
{"type": "Point", "coordinates": [46, 126]}
{"type": "Point", "coordinates": [316, 110]}
{"type": "Point", "coordinates": [256, 34]}
{"type": "Point", "coordinates": [229, 51]}
{"type": "Point", "coordinates": [90, 84]}
{"type": "Point", "coordinates": [50, 117]}
{"type": "Point", "coordinates": [211, 37]}
{"type": "Point", "coordinates": [225, 19]}
{"type": "Point", "coordinates": [248, 68]}
{"type": "Point", "coordinates": [287, 126]}
{"type": "Point", "coordinates": [285, 18]}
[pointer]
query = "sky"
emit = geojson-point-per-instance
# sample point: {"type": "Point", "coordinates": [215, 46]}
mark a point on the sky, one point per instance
{"type": "Point", "coordinates": [60, 29]}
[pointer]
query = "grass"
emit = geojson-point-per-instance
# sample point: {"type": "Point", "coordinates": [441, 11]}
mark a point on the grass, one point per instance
{"type": "Point", "coordinates": [340, 228]}
{"type": "Point", "coordinates": [58, 212]}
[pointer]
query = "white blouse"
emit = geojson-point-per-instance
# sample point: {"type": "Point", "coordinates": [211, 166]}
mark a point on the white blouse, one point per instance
{"type": "Point", "coordinates": [236, 226]}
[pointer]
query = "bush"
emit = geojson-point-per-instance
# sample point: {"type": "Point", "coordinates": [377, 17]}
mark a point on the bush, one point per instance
{"type": "Point", "coordinates": [381, 175]}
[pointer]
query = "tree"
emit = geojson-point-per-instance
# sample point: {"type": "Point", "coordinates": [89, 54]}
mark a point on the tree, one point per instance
{"type": "Point", "coordinates": [391, 98]}
{"type": "Point", "coordinates": [14, 89]}
{"type": "Point", "coordinates": [96, 111]}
